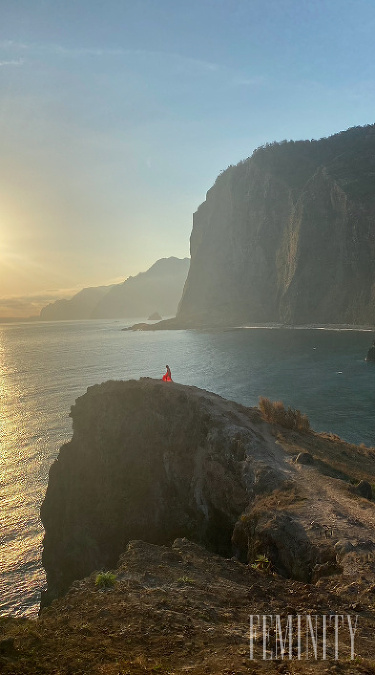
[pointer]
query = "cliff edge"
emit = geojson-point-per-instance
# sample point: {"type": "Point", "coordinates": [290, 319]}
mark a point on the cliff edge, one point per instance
{"type": "Point", "coordinates": [156, 461]}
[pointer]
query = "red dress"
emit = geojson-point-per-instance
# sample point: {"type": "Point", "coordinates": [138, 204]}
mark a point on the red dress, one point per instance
{"type": "Point", "coordinates": [168, 376]}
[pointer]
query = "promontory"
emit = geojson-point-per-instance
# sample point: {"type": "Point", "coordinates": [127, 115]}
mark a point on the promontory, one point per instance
{"type": "Point", "coordinates": [287, 236]}
{"type": "Point", "coordinates": [173, 515]}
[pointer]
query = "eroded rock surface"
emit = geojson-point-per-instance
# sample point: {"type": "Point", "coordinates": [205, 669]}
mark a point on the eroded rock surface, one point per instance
{"type": "Point", "coordinates": [156, 461]}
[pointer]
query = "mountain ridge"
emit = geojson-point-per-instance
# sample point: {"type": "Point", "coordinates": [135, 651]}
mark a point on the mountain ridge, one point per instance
{"type": "Point", "coordinates": [159, 288]}
{"type": "Point", "coordinates": [287, 236]}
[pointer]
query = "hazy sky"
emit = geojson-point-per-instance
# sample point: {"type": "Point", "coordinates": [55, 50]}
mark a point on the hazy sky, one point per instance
{"type": "Point", "coordinates": [117, 115]}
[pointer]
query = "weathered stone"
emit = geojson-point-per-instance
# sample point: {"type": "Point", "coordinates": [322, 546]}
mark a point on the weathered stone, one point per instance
{"type": "Point", "coordinates": [147, 461]}
{"type": "Point", "coordinates": [363, 489]}
{"type": "Point", "coordinates": [342, 548]}
{"type": "Point", "coordinates": [284, 541]}
{"type": "Point", "coordinates": [158, 462]}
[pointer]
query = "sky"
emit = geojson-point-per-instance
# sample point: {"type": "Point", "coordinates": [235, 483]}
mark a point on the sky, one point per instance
{"type": "Point", "coordinates": [116, 116]}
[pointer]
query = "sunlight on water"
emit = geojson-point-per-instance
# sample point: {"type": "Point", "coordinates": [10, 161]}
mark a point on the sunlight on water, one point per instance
{"type": "Point", "coordinates": [44, 367]}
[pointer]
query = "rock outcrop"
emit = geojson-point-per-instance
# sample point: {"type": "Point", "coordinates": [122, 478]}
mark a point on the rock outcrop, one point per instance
{"type": "Point", "coordinates": [182, 609]}
{"type": "Point", "coordinates": [287, 236]}
{"type": "Point", "coordinates": [153, 461]}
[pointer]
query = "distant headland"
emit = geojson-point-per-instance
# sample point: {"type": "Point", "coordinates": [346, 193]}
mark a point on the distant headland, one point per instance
{"type": "Point", "coordinates": [287, 236]}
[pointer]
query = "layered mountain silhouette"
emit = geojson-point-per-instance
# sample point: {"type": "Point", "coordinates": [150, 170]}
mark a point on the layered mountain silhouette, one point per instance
{"type": "Point", "coordinates": [158, 289]}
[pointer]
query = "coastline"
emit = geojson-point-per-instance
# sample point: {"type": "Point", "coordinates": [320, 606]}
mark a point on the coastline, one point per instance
{"type": "Point", "coordinates": [176, 324]}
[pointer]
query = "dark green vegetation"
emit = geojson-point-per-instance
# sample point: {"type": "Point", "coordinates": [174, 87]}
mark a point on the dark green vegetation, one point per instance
{"type": "Point", "coordinates": [105, 580]}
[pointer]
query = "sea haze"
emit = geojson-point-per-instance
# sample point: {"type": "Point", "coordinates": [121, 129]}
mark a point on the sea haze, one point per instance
{"type": "Point", "coordinates": [46, 366]}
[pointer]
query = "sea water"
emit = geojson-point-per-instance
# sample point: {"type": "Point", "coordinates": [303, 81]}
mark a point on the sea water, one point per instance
{"type": "Point", "coordinates": [45, 366]}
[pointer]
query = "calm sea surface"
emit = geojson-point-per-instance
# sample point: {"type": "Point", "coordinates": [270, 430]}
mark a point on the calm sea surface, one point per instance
{"type": "Point", "coordinates": [44, 367]}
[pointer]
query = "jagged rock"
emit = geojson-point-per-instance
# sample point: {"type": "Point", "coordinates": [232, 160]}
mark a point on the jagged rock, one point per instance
{"type": "Point", "coordinates": [325, 569]}
{"type": "Point", "coordinates": [371, 353]}
{"type": "Point", "coordinates": [268, 479]}
{"type": "Point", "coordinates": [146, 461]}
{"type": "Point", "coordinates": [342, 548]}
{"type": "Point", "coordinates": [156, 462]}
{"type": "Point", "coordinates": [286, 544]}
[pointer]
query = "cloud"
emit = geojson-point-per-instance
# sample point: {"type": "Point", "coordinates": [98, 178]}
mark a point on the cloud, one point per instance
{"type": "Point", "coordinates": [183, 63]}
{"type": "Point", "coordinates": [11, 44]}
{"type": "Point", "coordinates": [243, 81]}
{"type": "Point", "coordinates": [20, 307]}
{"type": "Point", "coordinates": [13, 62]}
{"type": "Point", "coordinates": [24, 306]}
{"type": "Point", "coordinates": [30, 305]}
{"type": "Point", "coordinates": [99, 52]}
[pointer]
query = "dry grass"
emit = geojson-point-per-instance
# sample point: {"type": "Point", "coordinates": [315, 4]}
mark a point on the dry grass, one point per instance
{"type": "Point", "coordinates": [290, 418]}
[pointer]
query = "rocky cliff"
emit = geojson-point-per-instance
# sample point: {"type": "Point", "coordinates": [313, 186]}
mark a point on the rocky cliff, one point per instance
{"type": "Point", "coordinates": [182, 609]}
{"type": "Point", "coordinates": [288, 235]}
{"type": "Point", "coordinates": [155, 461]}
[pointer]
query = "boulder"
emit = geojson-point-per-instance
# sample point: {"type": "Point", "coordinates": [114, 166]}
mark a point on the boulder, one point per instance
{"type": "Point", "coordinates": [304, 458]}
{"type": "Point", "coordinates": [285, 542]}
{"type": "Point", "coordinates": [363, 489]}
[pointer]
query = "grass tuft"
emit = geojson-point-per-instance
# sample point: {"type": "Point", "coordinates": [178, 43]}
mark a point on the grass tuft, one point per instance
{"type": "Point", "coordinates": [275, 413]}
{"type": "Point", "coordinates": [261, 563]}
{"type": "Point", "coordinates": [105, 580]}
{"type": "Point", "coordinates": [185, 580]}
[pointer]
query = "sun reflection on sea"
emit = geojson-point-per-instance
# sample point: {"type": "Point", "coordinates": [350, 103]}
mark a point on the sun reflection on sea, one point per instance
{"type": "Point", "coordinates": [20, 528]}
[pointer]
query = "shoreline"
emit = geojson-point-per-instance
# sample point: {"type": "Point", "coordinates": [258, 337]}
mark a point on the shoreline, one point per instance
{"type": "Point", "coordinates": [173, 324]}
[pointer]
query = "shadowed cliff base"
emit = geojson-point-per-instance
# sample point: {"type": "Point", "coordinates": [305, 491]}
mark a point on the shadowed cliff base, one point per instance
{"type": "Point", "coordinates": [156, 461]}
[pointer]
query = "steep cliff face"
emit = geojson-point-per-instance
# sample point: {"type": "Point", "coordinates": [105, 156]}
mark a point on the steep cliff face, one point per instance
{"type": "Point", "coordinates": [154, 461]}
{"type": "Point", "coordinates": [146, 461]}
{"type": "Point", "coordinates": [288, 236]}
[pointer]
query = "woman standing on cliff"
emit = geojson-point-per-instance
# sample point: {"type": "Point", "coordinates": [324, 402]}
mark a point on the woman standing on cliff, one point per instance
{"type": "Point", "coordinates": [167, 377]}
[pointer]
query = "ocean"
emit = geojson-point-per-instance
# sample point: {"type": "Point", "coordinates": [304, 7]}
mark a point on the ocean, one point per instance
{"type": "Point", "coordinates": [45, 366]}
